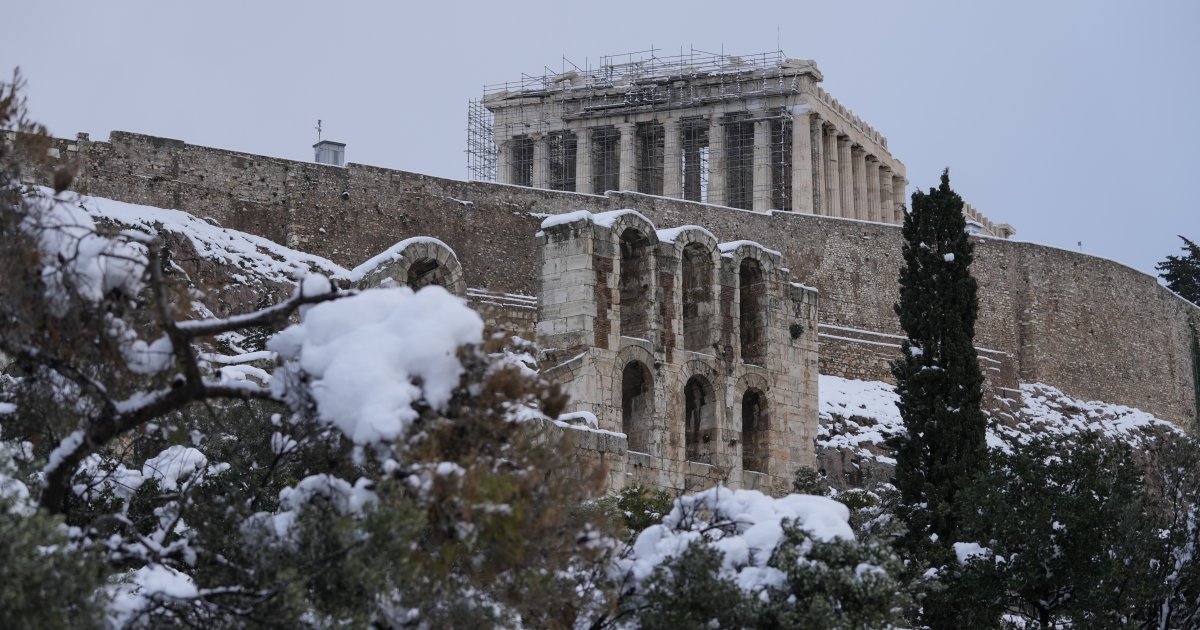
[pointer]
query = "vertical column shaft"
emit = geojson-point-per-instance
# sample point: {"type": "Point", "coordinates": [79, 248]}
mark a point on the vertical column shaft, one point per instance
{"type": "Point", "coordinates": [583, 160]}
{"type": "Point", "coordinates": [846, 176]}
{"type": "Point", "coordinates": [672, 160]}
{"type": "Point", "coordinates": [762, 165]}
{"type": "Point", "coordinates": [873, 211]}
{"type": "Point", "coordinates": [716, 161]}
{"type": "Point", "coordinates": [816, 142]}
{"type": "Point", "coordinates": [802, 163]}
{"type": "Point", "coordinates": [898, 197]}
{"type": "Point", "coordinates": [541, 161]}
{"type": "Point", "coordinates": [858, 161]}
{"type": "Point", "coordinates": [628, 159]}
{"type": "Point", "coordinates": [886, 204]}
{"type": "Point", "coordinates": [833, 192]}
{"type": "Point", "coordinates": [504, 162]}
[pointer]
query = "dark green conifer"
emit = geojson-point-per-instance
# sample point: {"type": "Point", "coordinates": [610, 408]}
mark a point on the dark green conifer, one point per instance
{"type": "Point", "coordinates": [938, 379]}
{"type": "Point", "coordinates": [1182, 273]}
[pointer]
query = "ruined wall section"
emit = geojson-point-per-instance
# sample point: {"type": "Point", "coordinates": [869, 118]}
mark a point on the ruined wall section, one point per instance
{"type": "Point", "coordinates": [1089, 326]}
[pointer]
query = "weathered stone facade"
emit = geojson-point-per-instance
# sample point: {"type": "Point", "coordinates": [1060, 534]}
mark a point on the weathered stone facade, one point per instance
{"type": "Point", "coordinates": [704, 355]}
{"type": "Point", "coordinates": [1092, 327]}
{"type": "Point", "coordinates": [746, 131]}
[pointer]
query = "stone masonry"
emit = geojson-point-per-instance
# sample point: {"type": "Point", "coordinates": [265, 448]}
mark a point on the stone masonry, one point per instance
{"type": "Point", "coordinates": [702, 354]}
{"type": "Point", "coordinates": [1092, 327]}
{"type": "Point", "coordinates": [752, 132]}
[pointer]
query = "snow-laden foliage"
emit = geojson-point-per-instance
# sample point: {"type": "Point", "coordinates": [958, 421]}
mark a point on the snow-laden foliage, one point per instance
{"type": "Point", "coordinates": [367, 359]}
{"type": "Point", "coordinates": [746, 526]}
{"type": "Point", "coordinates": [739, 558]}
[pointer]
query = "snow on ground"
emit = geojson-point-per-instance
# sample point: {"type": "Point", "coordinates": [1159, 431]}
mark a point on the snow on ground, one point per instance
{"type": "Point", "coordinates": [1048, 410]}
{"type": "Point", "coordinates": [862, 415]}
{"type": "Point", "coordinates": [856, 415]}
{"type": "Point", "coordinates": [255, 254]}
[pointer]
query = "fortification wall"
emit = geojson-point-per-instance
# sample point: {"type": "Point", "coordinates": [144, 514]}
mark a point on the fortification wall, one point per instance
{"type": "Point", "coordinates": [1089, 326]}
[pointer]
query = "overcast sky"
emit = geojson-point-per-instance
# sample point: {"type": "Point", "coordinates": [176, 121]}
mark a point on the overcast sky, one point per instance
{"type": "Point", "coordinates": [1073, 121]}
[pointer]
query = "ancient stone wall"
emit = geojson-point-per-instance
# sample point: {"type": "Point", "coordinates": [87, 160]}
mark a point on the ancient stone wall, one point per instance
{"type": "Point", "coordinates": [1089, 326]}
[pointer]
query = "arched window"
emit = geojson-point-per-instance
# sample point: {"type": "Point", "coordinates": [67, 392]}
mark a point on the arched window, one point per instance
{"type": "Point", "coordinates": [699, 418]}
{"type": "Point", "coordinates": [754, 431]}
{"type": "Point", "coordinates": [637, 405]}
{"type": "Point", "coordinates": [753, 298]}
{"type": "Point", "coordinates": [697, 298]}
{"type": "Point", "coordinates": [635, 284]}
{"type": "Point", "coordinates": [425, 272]}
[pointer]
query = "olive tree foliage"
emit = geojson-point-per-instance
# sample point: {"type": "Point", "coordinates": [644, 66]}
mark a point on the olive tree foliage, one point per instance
{"type": "Point", "coordinates": [140, 486]}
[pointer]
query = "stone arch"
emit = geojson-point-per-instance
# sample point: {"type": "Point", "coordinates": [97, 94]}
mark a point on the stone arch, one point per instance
{"type": "Point", "coordinates": [702, 410]}
{"type": "Point", "coordinates": [414, 262]}
{"type": "Point", "coordinates": [754, 413]}
{"type": "Point", "coordinates": [699, 414]}
{"type": "Point", "coordinates": [635, 244]}
{"type": "Point", "coordinates": [699, 262]}
{"type": "Point", "coordinates": [637, 405]}
{"type": "Point", "coordinates": [753, 267]}
{"type": "Point", "coordinates": [752, 311]}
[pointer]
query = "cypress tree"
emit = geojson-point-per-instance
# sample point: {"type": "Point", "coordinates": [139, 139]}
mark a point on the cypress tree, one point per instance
{"type": "Point", "coordinates": [938, 378]}
{"type": "Point", "coordinates": [1182, 273]}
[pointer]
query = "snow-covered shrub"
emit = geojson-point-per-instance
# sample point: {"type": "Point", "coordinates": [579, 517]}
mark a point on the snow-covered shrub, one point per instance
{"type": "Point", "coordinates": [792, 560]}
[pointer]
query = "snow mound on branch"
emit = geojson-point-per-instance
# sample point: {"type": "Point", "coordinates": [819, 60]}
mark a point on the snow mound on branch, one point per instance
{"type": "Point", "coordinates": [746, 525]}
{"type": "Point", "coordinates": [141, 588]}
{"type": "Point", "coordinates": [77, 260]}
{"type": "Point", "coordinates": [174, 465]}
{"type": "Point", "coordinates": [370, 356]}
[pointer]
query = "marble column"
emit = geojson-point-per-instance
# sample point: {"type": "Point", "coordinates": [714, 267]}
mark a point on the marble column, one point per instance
{"type": "Point", "coordinates": [583, 160]}
{"type": "Point", "coordinates": [872, 173]}
{"type": "Point", "coordinates": [858, 167]}
{"type": "Point", "coordinates": [802, 162]}
{"type": "Point", "coordinates": [504, 158]}
{"type": "Point", "coordinates": [762, 166]}
{"type": "Point", "coordinates": [898, 198]}
{"type": "Point", "coordinates": [846, 177]}
{"type": "Point", "coordinates": [672, 160]}
{"type": "Point", "coordinates": [541, 161]}
{"type": "Point", "coordinates": [816, 142]}
{"type": "Point", "coordinates": [628, 160]}
{"type": "Point", "coordinates": [886, 204]}
{"type": "Point", "coordinates": [833, 192]}
{"type": "Point", "coordinates": [716, 161]}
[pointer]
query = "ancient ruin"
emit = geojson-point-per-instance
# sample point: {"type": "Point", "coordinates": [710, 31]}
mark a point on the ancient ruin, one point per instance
{"type": "Point", "coordinates": [691, 355]}
{"type": "Point", "coordinates": [746, 131]}
{"type": "Point", "coordinates": [703, 354]}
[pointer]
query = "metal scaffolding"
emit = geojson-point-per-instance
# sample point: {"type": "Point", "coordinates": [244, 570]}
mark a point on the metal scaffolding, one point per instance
{"type": "Point", "coordinates": [481, 145]}
{"type": "Point", "coordinates": [535, 108]}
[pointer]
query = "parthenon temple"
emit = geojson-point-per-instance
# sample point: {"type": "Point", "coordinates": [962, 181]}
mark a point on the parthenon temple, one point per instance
{"type": "Point", "coordinates": [752, 132]}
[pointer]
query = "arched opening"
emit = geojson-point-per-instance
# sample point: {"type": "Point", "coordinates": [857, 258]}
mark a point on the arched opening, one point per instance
{"type": "Point", "coordinates": [754, 431]}
{"type": "Point", "coordinates": [637, 405]}
{"type": "Point", "coordinates": [425, 272]}
{"type": "Point", "coordinates": [635, 284]}
{"type": "Point", "coordinates": [697, 298]}
{"type": "Point", "coordinates": [753, 298]}
{"type": "Point", "coordinates": [700, 410]}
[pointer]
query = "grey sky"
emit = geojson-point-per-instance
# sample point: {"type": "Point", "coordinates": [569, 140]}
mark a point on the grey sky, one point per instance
{"type": "Point", "coordinates": [1073, 121]}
